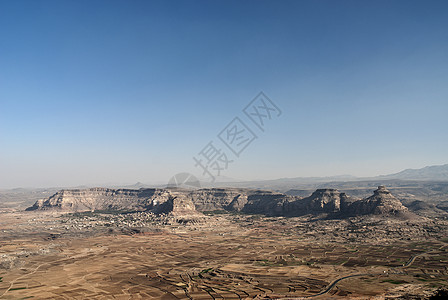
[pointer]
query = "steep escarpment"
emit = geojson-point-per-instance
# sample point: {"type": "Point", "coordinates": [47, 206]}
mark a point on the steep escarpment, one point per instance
{"type": "Point", "coordinates": [103, 199]}
{"type": "Point", "coordinates": [94, 199]}
{"type": "Point", "coordinates": [177, 203]}
{"type": "Point", "coordinates": [268, 203]}
{"type": "Point", "coordinates": [328, 202]}
{"type": "Point", "coordinates": [381, 203]}
{"type": "Point", "coordinates": [230, 199]}
{"type": "Point", "coordinates": [166, 200]}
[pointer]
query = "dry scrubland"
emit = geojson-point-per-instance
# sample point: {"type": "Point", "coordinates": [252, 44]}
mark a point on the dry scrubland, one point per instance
{"type": "Point", "coordinates": [47, 255]}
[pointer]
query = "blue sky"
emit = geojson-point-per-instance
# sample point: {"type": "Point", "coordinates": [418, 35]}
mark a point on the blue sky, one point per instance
{"type": "Point", "coordinates": [101, 92]}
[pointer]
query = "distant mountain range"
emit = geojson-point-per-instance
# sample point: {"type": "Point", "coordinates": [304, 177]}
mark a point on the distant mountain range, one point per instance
{"type": "Point", "coordinates": [438, 173]}
{"type": "Point", "coordinates": [430, 173]}
{"type": "Point", "coordinates": [425, 184]}
{"type": "Point", "coordinates": [435, 173]}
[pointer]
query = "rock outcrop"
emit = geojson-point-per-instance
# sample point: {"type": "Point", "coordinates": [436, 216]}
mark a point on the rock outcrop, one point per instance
{"type": "Point", "coordinates": [178, 204]}
{"type": "Point", "coordinates": [187, 202]}
{"type": "Point", "coordinates": [381, 203]}
{"type": "Point", "coordinates": [103, 199]}
{"type": "Point", "coordinates": [212, 199]}
{"type": "Point", "coordinates": [425, 209]}
{"type": "Point", "coordinates": [167, 200]}
{"type": "Point", "coordinates": [326, 201]}
{"type": "Point", "coordinates": [268, 203]}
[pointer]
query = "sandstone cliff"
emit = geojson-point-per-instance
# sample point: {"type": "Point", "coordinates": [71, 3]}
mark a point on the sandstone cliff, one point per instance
{"type": "Point", "coordinates": [103, 199]}
{"type": "Point", "coordinates": [327, 201]}
{"type": "Point", "coordinates": [187, 202]}
{"type": "Point", "coordinates": [381, 203]}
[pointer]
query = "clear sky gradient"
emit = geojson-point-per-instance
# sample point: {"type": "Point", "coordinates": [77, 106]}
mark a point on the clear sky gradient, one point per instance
{"type": "Point", "coordinates": [115, 92]}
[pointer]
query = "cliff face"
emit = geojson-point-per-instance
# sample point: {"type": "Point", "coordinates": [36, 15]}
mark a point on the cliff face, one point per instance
{"type": "Point", "coordinates": [268, 203]}
{"type": "Point", "coordinates": [326, 201]}
{"type": "Point", "coordinates": [166, 200]}
{"type": "Point", "coordinates": [103, 199]}
{"type": "Point", "coordinates": [219, 199]}
{"type": "Point", "coordinates": [185, 202]}
{"type": "Point", "coordinates": [381, 203]}
{"type": "Point", "coordinates": [176, 203]}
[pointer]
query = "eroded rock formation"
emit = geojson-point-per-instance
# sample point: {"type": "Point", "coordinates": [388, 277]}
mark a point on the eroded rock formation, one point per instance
{"type": "Point", "coordinates": [187, 202]}
{"type": "Point", "coordinates": [381, 203]}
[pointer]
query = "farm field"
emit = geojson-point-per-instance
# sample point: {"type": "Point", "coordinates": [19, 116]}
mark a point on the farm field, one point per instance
{"type": "Point", "coordinates": [224, 257]}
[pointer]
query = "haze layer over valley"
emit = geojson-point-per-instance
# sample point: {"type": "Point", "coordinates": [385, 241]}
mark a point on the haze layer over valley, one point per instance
{"type": "Point", "coordinates": [229, 243]}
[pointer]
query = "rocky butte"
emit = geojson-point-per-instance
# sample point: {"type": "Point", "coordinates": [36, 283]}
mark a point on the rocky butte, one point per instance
{"type": "Point", "coordinates": [330, 202]}
{"type": "Point", "coordinates": [381, 203]}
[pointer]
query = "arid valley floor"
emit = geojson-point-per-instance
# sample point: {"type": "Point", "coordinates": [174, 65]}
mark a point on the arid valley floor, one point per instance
{"type": "Point", "coordinates": [51, 255]}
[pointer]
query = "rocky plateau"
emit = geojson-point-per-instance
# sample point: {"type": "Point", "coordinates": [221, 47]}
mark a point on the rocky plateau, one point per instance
{"type": "Point", "coordinates": [329, 202]}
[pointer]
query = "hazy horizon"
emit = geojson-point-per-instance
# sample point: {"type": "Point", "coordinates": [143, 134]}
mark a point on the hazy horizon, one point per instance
{"type": "Point", "coordinates": [123, 92]}
{"type": "Point", "coordinates": [220, 180]}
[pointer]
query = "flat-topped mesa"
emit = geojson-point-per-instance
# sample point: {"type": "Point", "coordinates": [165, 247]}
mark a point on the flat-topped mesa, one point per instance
{"type": "Point", "coordinates": [103, 199]}
{"type": "Point", "coordinates": [330, 202]}
{"type": "Point", "coordinates": [382, 202]}
{"type": "Point", "coordinates": [178, 204]}
{"type": "Point", "coordinates": [326, 201]}
{"type": "Point", "coordinates": [267, 203]}
{"type": "Point", "coordinates": [179, 201]}
{"type": "Point", "coordinates": [157, 200]}
{"type": "Point", "coordinates": [212, 199]}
